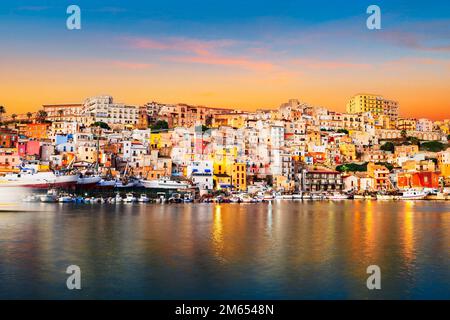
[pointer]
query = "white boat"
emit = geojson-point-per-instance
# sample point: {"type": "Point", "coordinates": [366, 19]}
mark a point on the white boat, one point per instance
{"type": "Point", "coordinates": [297, 196]}
{"type": "Point", "coordinates": [143, 198]}
{"type": "Point", "coordinates": [31, 198]}
{"type": "Point", "coordinates": [164, 183]}
{"type": "Point", "coordinates": [413, 194]}
{"type": "Point", "coordinates": [65, 199]}
{"type": "Point", "coordinates": [130, 198]}
{"type": "Point", "coordinates": [88, 180]}
{"type": "Point", "coordinates": [118, 198]}
{"type": "Point", "coordinates": [337, 196]}
{"type": "Point", "coordinates": [50, 196]}
{"type": "Point", "coordinates": [126, 183]}
{"type": "Point", "coordinates": [107, 183]}
{"type": "Point", "coordinates": [29, 178]}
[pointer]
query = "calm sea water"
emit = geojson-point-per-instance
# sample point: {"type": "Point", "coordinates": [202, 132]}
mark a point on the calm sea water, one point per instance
{"type": "Point", "coordinates": [284, 250]}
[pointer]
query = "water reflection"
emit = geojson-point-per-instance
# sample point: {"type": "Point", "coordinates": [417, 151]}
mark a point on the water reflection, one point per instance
{"type": "Point", "coordinates": [286, 249]}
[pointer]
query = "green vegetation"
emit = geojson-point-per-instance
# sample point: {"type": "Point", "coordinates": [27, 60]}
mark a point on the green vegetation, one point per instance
{"type": "Point", "coordinates": [41, 116]}
{"type": "Point", "coordinates": [352, 167]}
{"type": "Point", "coordinates": [342, 131]}
{"type": "Point", "coordinates": [101, 124]}
{"type": "Point", "coordinates": [388, 146]}
{"type": "Point", "coordinates": [356, 167]}
{"type": "Point", "coordinates": [433, 146]}
{"type": "Point", "coordinates": [160, 125]}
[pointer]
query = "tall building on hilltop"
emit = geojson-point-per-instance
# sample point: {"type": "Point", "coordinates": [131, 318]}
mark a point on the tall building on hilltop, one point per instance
{"type": "Point", "coordinates": [104, 109]}
{"type": "Point", "coordinates": [375, 104]}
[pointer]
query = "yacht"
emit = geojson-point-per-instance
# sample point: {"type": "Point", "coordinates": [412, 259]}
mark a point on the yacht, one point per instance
{"type": "Point", "coordinates": [66, 199]}
{"type": "Point", "coordinates": [164, 183]}
{"type": "Point", "coordinates": [413, 194]}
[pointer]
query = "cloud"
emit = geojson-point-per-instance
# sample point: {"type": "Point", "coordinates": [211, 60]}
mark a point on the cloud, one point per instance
{"type": "Point", "coordinates": [225, 61]}
{"type": "Point", "coordinates": [329, 64]}
{"type": "Point", "coordinates": [199, 47]}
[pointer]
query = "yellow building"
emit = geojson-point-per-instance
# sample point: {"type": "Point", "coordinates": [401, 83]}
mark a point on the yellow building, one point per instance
{"type": "Point", "coordinates": [406, 124]}
{"type": "Point", "coordinates": [380, 176]}
{"type": "Point", "coordinates": [234, 120]}
{"type": "Point", "coordinates": [348, 151]}
{"type": "Point", "coordinates": [375, 104]}
{"type": "Point", "coordinates": [155, 140]}
{"type": "Point", "coordinates": [239, 176]}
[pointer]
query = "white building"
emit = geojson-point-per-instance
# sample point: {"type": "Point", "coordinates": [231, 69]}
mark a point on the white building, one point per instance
{"type": "Point", "coordinates": [103, 109]}
{"type": "Point", "coordinates": [424, 125]}
{"type": "Point", "coordinates": [201, 173]}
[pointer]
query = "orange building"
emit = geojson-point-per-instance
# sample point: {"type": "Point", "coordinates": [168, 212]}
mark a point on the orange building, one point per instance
{"type": "Point", "coordinates": [37, 130]}
{"type": "Point", "coordinates": [428, 179]}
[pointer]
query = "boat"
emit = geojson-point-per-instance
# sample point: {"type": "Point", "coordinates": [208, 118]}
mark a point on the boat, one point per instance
{"type": "Point", "coordinates": [143, 198]}
{"type": "Point", "coordinates": [105, 183]}
{"type": "Point", "coordinates": [297, 196]}
{"type": "Point", "coordinates": [164, 183]}
{"type": "Point", "coordinates": [130, 198]}
{"type": "Point", "coordinates": [126, 183]}
{"type": "Point", "coordinates": [66, 199]}
{"type": "Point", "coordinates": [118, 198]}
{"type": "Point", "coordinates": [188, 198]}
{"type": "Point", "coordinates": [413, 194]}
{"type": "Point", "coordinates": [88, 180]}
{"type": "Point", "coordinates": [337, 196]}
{"type": "Point", "coordinates": [50, 196]}
{"type": "Point", "coordinates": [31, 198]}
{"type": "Point", "coordinates": [29, 178]}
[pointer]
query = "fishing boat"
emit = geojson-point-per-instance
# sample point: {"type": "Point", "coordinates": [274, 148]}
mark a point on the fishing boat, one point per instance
{"type": "Point", "coordinates": [50, 196]}
{"type": "Point", "coordinates": [88, 180]}
{"type": "Point", "coordinates": [165, 183]}
{"type": "Point", "coordinates": [105, 183]}
{"type": "Point", "coordinates": [30, 178]}
{"type": "Point", "coordinates": [130, 198]}
{"type": "Point", "coordinates": [143, 198]}
{"type": "Point", "coordinates": [413, 194]}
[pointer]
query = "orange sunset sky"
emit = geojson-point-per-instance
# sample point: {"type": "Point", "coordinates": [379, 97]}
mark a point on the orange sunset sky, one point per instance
{"type": "Point", "coordinates": [242, 61]}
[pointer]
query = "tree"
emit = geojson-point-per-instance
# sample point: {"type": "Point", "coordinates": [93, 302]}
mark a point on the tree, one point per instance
{"type": "Point", "coordinates": [388, 146]}
{"type": "Point", "coordinates": [60, 113]}
{"type": "Point", "coordinates": [14, 116]}
{"type": "Point", "coordinates": [101, 124]}
{"type": "Point", "coordinates": [433, 146]}
{"type": "Point", "coordinates": [403, 133]}
{"type": "Point", "coordinates": [160, 125]}
{"type": "Point", "coordinates": [41, 116]}
{"type": "Point", "coordinates": [29, 115]}
{"type": "Point", "coordinates": [342, 131]}
{"type": "Point", "coordinates": [2, 112]}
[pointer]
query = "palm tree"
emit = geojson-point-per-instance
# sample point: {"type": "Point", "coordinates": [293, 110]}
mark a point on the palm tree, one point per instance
{"type": "Point", "coordinates": [41, 115]}
{"type": "Point", "coordinates": [60, 113]}
{"type": "Point", "coordinates": [29, 115]}
{"type": "Point", "coordinates": [2, 111]}
{"type": "Point", "coordinates": [14, 117]}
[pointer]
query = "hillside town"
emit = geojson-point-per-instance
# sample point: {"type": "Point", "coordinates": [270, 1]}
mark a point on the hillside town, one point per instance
{"type": "Point", "coordinates": [297, 149]}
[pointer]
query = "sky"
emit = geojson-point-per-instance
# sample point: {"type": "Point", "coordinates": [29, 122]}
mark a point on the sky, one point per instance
{"type": "Point", "coordinates": [237, 54]}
